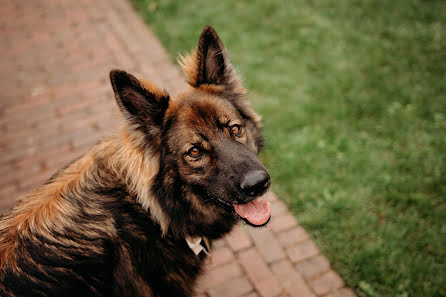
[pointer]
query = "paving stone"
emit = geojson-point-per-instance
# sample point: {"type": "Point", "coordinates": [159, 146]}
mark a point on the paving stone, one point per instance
{"type": "Point", "coordinates": [302, 251]}
{"type": "Point", "coordinates": [291, 281]}
{"type": "Point", "coordinates": [236, 287]}
{"type": "Point", "coordinates": [259, 273]}
{"type": "Point", "coordinates": [267, 244]}
{"type": "Point", "coordinates": [271, 197]}
{"type": "Point", "coordinates": [253, 294]}
{"type": "Point", "coordinates": [282, 222]}
{"type": "Point", "coordinates": [290, 237]}
{"type": "Point", "coordinates": [238, 239]}
{"type": "Point", "coordinates": [220, 256]}
{"type": "Point", "coordinates": [8, 193]}
{"type": "Point", "coordinates": [217, 275]}
{"type": "Point", "coordinates": [219, 243]}
{"type": "Point", "coordinates": [278, 207]}
{"type": "Point", "coordinates": [343, 292]}
{"type": "Point", "coordinates": [326, 283]}
{"type": "Point", "coordinates": [313, 266]}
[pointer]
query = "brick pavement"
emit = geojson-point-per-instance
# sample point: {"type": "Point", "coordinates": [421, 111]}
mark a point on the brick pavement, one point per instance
{"type": "Point", "coordinates": [56, 102]}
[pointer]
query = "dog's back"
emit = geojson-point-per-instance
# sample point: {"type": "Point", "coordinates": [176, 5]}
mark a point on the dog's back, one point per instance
{"type": "Point", "coordinates": [84, 234]}
{"type": "Point", "coordinates": [59, 238]}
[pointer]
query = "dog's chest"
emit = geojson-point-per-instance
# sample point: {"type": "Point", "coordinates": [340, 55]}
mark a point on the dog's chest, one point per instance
{"type": "Point", "coordinates": [161, 265]}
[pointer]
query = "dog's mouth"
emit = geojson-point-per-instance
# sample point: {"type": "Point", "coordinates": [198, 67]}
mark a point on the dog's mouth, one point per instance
{"type": "Point", "coordinates": [257, 212]}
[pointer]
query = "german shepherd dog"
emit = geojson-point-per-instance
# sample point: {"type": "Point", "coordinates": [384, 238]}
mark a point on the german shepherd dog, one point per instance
{"type": "Point", "coordinates": [127, 218]}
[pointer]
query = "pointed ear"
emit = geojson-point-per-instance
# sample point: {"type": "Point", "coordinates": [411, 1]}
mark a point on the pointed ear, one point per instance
{"type": "Point", "coordinates": [212, 58]}
{"type": "Point", "coordinates": [210, 66]}
{"type": "Point", "coordinates": [140, 101]}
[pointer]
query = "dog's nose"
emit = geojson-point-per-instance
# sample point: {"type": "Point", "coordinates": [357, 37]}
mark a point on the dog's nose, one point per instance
{"type": "Point", "coordinates": [255, 183]}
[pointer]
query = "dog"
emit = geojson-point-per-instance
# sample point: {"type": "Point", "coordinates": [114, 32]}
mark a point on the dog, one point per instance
{"type": "Point", "coordinates": [136, 215]}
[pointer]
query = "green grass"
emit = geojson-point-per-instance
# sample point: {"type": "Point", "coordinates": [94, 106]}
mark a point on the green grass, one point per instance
{"type": "Point", "coordinates": [353, 96]}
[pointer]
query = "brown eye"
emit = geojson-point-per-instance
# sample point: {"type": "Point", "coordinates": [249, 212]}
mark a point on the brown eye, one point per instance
{"type": "Point", "coordinates": [194, 152]}
{"type": "Point", "coordinates": [236, 129]}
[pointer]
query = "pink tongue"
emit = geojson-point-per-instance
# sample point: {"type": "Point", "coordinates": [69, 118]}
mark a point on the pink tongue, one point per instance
{"type": "Point", "coordinates": [257, 212]}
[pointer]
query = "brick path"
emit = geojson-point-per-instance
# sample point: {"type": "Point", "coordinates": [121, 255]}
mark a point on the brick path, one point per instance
{"type": "Point", "coordinates": [56, 102]}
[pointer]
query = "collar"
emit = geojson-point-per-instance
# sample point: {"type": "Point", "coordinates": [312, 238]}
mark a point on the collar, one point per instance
{"type": "Point", "coordinates": [195, 245]}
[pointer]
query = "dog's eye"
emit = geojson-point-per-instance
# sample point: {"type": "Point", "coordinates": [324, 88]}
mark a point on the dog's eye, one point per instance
{"type": "Point", "coordinates": [194, 152]}
{"type": "Point", "coordinates": [236, 130]}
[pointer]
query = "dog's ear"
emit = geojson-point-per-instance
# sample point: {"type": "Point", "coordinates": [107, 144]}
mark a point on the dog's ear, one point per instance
{"type": "Point", "coordinates": [140, 101]}
{"type": "Point", "coordinates": [210, 70]}
{"type": "Point", "coordinates": [209, 66]}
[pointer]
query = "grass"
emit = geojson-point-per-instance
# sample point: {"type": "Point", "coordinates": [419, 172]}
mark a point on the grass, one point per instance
{"type": "Point", "coordinates": [353, 95]}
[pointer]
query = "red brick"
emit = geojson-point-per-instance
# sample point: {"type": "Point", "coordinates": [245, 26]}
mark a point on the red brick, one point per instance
{"type": "Point", "coordinates": [238, 239]}
{"type": "Point", "coordinates": [95, 62]}
{"type": "Point", "coordinates": [282, 222]}
{"type": "Point", "coordinates": [302, 251]}
{"type": "Point", "coordinates": [344, 292]}
{"type": "Point", "coordinates": [30, 103]}
{"type": "Point", "coordinates": [124, 60]}
{"type": "Point", "coordinates": [218, 275]}
{"type": "Point", "coordinates": [74, 105]}
{"type": "Point", "coordinates": [218, 243]}
{"type": "Point", "coordinates": [259, 273]}
{"type": "Point", "coordinates": [253, 294]}
{"type": "Point", "coordinates": [292, 282]}
{"type": "Point", "coordinates": [22, 120]}
{"type": "Point", "coordinates": [5, 168]}
{"type": "Point", "coordinates": [290, 237]}
{"type": "Point", "coordinates": [63, 159]}
{"type": "Point", "coordinates": [87, 139]}
{"type": "Point", "coordinates": [267, 244]}
{"type": "Point", "coordinates": [271, 197]}
{"type": "Point", "coordinates": [58, 139]}
{"type": "Point", "coordinates": [278, 207]}
{"type": "Point", "coordinates": [8, 140]}
{"type": "Point", "coordinates": [326, 283]}
{"type": "Point", "coordinates": [233, 288]}
{"type": "Point", "coordinates": [313, 267]}
{"type": "Point", "coordinates": [7, 203]}
{"type": "Point", "coordinates": [82, 120]}
{"type": "Point", "coordinates": [19, 153]}
{"type": "Point", "coordinates": [8, 189]}
{"type": "Point", "coordinates": [221, 256]}
{"type": "Point", "coordinates": [102, 93]}
{"type": "Point", "coordinates": [35, 181]}
{"type": "Point", "coordinates": [255, 265]}
{"type": "Point", "coordinates": [20, 174]}
{"type": "Point", "coordinates": [44, 154]}
{"type": "Point", "coordinates": [8, 196]}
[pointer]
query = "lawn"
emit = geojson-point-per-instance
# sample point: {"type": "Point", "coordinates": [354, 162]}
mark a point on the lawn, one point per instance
{"type": "Point", "coordinates": [353, 96]}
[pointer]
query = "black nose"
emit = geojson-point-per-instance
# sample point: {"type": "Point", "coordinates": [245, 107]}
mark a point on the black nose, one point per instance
{"type": "Point", "coordinates": [255, 183]}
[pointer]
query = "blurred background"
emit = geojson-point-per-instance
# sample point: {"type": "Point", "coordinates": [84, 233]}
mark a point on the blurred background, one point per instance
{"type": "Point", "coordinates": [352, 94]}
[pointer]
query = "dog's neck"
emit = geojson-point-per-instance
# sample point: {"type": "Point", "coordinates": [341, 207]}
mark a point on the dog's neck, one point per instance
{"type": "Point", "coordinates": [137, 166]}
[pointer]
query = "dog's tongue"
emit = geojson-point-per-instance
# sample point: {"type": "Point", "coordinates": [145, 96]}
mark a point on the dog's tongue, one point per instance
{"type": "Point", "coordinates": [257, 212]}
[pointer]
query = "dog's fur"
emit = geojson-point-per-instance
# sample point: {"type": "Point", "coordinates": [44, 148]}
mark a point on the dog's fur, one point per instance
{"type": "Point", "coordinates": [114, 222]}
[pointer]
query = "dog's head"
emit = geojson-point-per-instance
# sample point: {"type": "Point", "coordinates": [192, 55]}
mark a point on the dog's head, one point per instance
{"type": "Point", "coordinates": [206, 139]}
